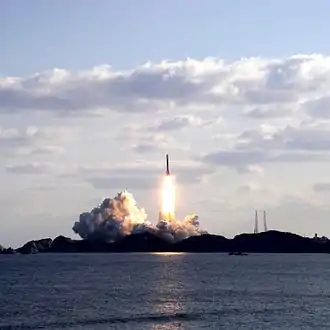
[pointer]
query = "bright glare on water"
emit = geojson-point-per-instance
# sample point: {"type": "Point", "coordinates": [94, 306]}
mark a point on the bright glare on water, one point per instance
{"type": "Point", "coordinates": [164, 291]}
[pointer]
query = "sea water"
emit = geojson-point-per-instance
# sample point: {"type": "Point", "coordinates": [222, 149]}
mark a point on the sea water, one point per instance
{"type": "Point", "coordinates": [164, 291]}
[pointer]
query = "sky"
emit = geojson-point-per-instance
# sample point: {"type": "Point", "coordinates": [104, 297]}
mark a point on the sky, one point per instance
{"type": "Point", "coordinates": [93, 94]}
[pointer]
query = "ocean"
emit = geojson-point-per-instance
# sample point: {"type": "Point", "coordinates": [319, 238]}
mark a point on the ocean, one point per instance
{"type": "Point", "coordinates": [164, 291]}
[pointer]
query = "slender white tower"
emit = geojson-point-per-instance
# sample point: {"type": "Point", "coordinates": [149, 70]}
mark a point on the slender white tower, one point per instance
{"type": "Point", "coordinates": [256, 230]}
{"type": "Point", "coordinates": [265, 221]}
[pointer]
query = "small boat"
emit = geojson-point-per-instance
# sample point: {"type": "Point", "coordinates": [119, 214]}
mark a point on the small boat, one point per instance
{"type": "Point", "coordinates": [237, 254]}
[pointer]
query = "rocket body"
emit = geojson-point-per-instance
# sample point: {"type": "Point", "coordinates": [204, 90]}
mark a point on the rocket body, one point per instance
{"type": "Point", "coordinates": [167, 165]}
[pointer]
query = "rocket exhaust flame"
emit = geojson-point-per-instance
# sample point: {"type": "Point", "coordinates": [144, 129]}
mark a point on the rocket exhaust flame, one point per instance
{"type": "Point", "coordinates": [168, 198]}
{"type": "Point", "coordinates": [168, 195]}
{"type": "Point", "coordinates": [117, 217]}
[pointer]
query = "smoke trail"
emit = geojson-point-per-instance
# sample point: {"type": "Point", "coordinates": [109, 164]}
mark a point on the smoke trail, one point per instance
{"type": "Point", "coordinates": [117, 217]}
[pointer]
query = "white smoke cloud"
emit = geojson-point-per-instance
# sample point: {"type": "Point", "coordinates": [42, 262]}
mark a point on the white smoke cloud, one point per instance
{"type": "Point", "coordinates": [179, 229]}
{"type": "Point", "coordinates": [120, 216]}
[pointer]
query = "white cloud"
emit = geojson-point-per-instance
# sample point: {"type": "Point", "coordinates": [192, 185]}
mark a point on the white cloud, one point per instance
{"type": "Point", "coordinates": [270, 111]}
{"type": "Point", "coordinates": [247, 82]}
{"type": "Point", "coordinates": [151, 142]}
{"type": "Point", "coordinates": [14, 136]}
{"type": "Point", "coordinates": [319, 107]}
{"type": "Point", "coordinates": [135, 176]}
{"type": "Point", "coordinates": [179, 122]}
{"type": "Point", "coordinates": [253, 168]}
{"type": "Point", "coordinates": [31, 140]}
{"type": "Point", "coordinates": [251, 188]}
{"type": "Point", "coordinates": [288, 144]}
{"type": "Point", "coordinates": [321, 187]}
{"type": "Point", "coordinates": [261, 120]}
{"type": "Point", "coordinates": [30, 168]}
{"type": "Point", "coordinates": [48, 150]}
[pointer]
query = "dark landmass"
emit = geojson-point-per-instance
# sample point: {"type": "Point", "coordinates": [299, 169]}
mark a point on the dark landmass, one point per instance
{"type": "Point", "coordinates": [265, 242]}
{"type": "Point", "coordinates": [6, 251]}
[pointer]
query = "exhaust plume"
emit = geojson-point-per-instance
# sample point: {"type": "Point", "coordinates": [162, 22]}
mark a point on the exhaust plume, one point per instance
{"type": "Point", "coordinates": [120, 216]}
{"type": "Point", "coordinates": [168, 198]}
{"type": "Point", "coordinates": [112, 219]}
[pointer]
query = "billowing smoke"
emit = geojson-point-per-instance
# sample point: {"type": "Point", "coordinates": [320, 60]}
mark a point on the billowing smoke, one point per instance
{"type": "Point", "coordinates": [117, 217]}
{"type": "Point", "coordinates": [112, 219]}
{"type": "Point", "coordinates": [175, 230]}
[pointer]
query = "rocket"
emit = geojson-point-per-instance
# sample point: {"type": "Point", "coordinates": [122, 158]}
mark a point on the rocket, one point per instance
{"type": "Point", "coordinates": [167, 166]}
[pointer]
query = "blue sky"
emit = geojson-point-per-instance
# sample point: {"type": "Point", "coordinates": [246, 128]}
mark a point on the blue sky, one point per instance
{"type": "Point", "coordinates": [81, 118]}
{"type": "Point", "coordinates": [38, 35]}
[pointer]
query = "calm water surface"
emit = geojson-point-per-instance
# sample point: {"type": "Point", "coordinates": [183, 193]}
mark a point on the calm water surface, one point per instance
{"type": "Point", "coordinates": [161, 291]}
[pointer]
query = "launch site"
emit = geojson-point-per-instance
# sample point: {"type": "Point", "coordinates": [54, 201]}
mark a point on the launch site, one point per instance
{"type": "Point", "coordinates": [118, 225]}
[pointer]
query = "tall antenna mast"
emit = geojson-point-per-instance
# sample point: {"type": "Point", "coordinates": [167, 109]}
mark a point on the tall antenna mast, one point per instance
{"type": "Point", "coordinates": [256, 231]}
{"type": "Point", "coordinates": [265, 221]}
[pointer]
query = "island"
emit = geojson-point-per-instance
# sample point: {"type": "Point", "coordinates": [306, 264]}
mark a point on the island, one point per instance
{"type": "Point", "coordinates": [271, 241]}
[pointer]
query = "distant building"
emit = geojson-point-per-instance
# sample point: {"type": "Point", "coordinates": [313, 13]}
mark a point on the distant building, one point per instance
{"type": "Point", "coordinates": [322, 239]}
